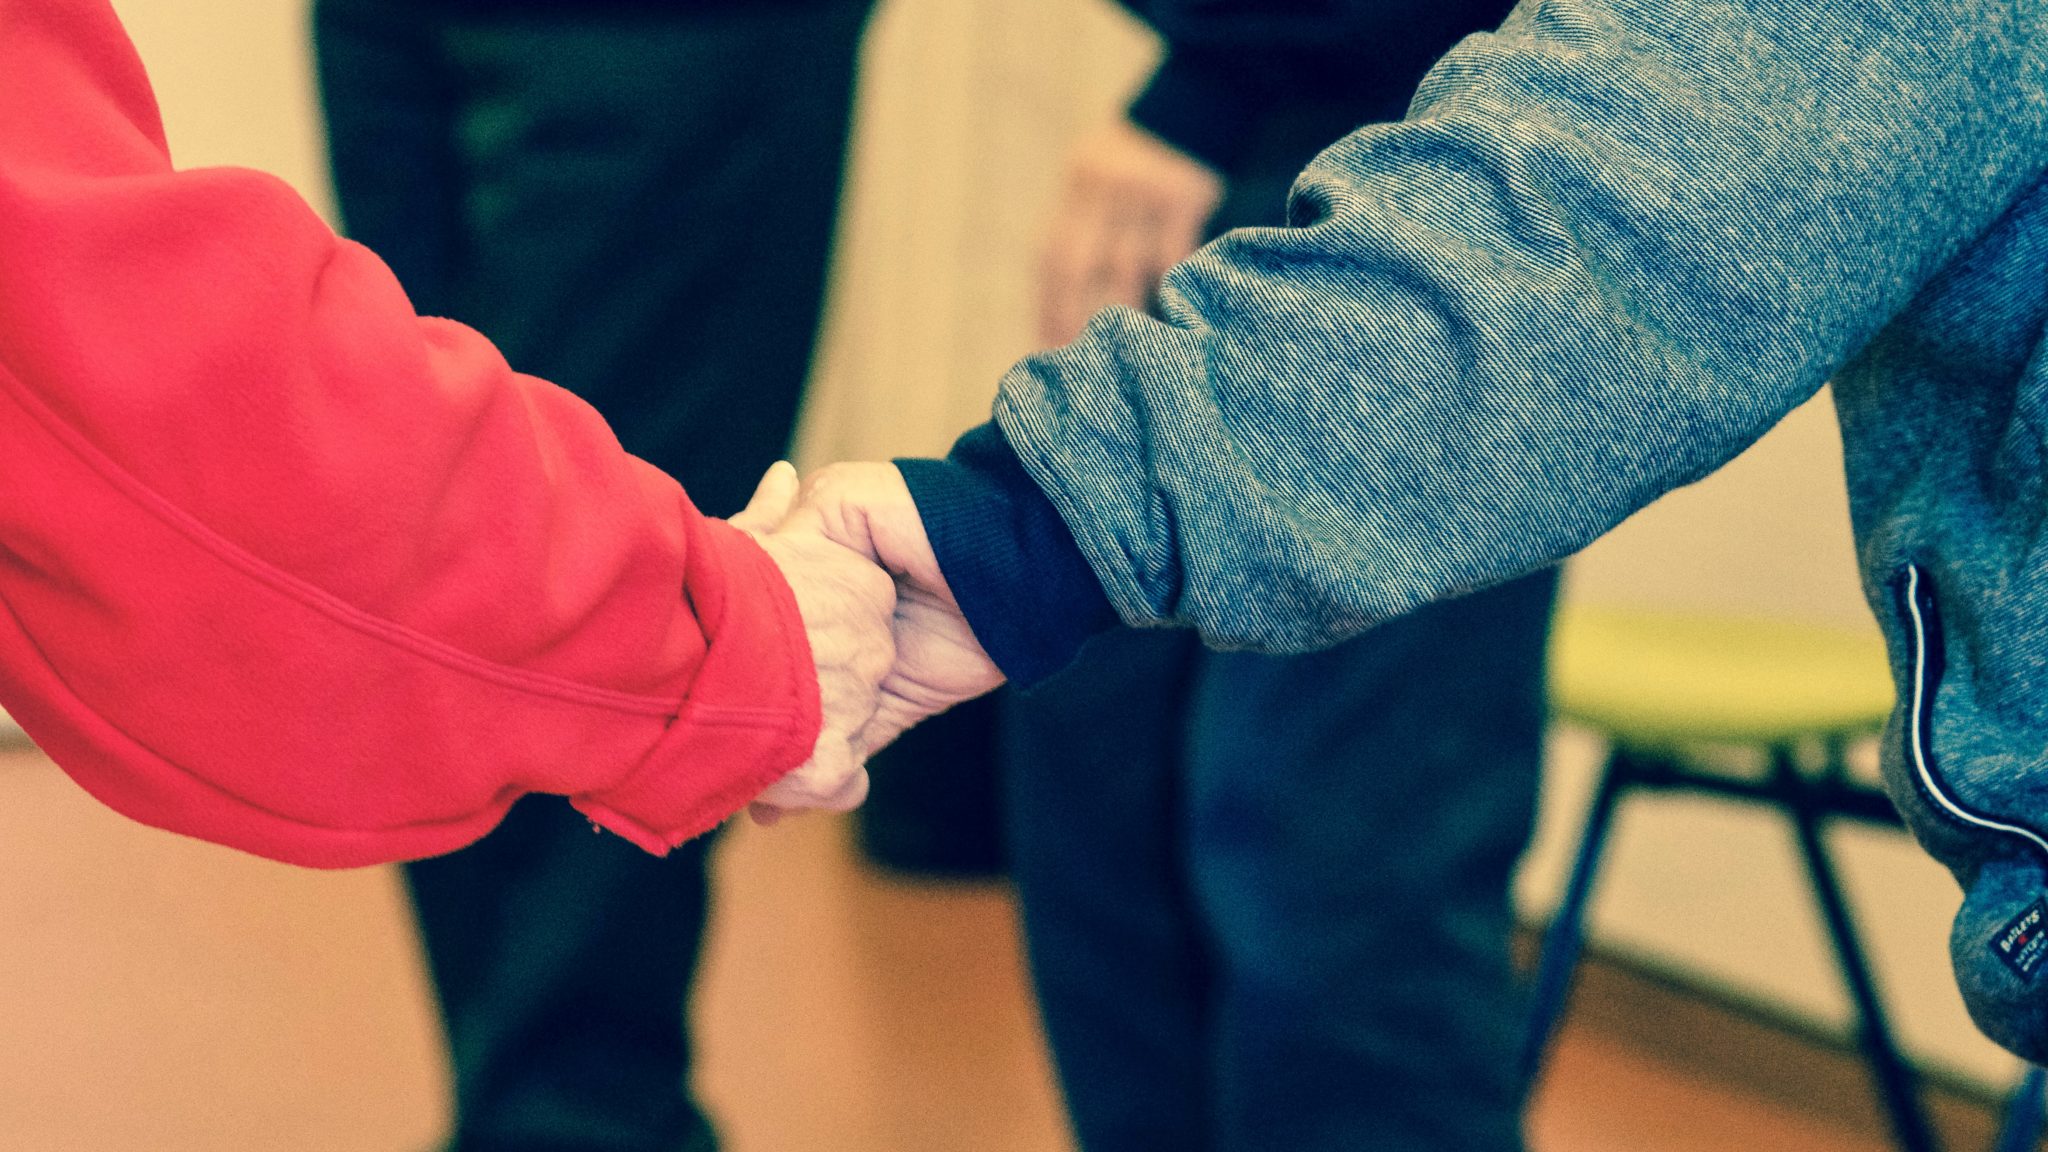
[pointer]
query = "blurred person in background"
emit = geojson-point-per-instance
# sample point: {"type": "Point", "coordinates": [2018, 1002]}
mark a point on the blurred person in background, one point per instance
{"type": "Point", "coordinates": [934, 807]}
{"type": "Point", "coordinates": [634, 199]}
{"type": "Point", "coordinates": [1267, 897]}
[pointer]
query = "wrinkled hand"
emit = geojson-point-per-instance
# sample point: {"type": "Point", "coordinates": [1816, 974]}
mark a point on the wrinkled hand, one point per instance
{"type": "Point", "coordinates": [1133, 207]}
{"type": "Point", "coordinates": [847, 604]}
{"type": "Point", "coordinates": [939, 663]}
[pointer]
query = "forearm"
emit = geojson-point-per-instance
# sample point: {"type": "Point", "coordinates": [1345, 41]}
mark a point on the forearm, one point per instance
{"type": "Point", "coordinates": [294, 569]}
{"type": "Point", "coordinates": [1613, 245]}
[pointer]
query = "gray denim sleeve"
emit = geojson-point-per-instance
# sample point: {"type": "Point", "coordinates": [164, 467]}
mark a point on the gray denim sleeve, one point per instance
{"type": "Point", "coordinates": [1612, 245]}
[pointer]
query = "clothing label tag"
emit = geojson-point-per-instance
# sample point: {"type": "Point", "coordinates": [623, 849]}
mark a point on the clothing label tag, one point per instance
{"type": "Point", "coordinates": [2023, 942]}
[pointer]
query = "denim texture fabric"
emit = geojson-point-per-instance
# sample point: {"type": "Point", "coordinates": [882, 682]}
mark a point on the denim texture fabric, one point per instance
{"type": "Point", "coordinates": [1267, 897]}
{"type": "Point", "coordinates": [1611, 245]}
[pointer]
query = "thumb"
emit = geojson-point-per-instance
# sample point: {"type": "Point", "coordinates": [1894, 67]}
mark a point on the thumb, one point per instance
{"type": "Point", "coordinates": [773, 498]}
{"type": "Point", "coordinates": [833, 780]}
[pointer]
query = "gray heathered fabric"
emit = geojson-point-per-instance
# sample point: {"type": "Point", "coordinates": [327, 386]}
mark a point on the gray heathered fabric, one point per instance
{"type": "Point", "coordinates": [1612, 245]}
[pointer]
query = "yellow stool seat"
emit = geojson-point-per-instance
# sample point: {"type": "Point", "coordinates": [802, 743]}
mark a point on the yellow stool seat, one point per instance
{"type": "Point", "coordinates": [1665, 678]}
{"type": "Point", "coordinates": [1673, 694]}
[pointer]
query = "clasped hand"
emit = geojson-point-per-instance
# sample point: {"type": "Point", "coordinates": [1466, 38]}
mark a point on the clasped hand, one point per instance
{"type": "Point", "coordinates": [890, 643]}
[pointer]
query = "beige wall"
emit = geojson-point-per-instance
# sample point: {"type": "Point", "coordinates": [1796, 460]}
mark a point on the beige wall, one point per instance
{"type": "Point", "coordinates": [235, 84]}
{"type": "Point", "coordinates": [965, 111]}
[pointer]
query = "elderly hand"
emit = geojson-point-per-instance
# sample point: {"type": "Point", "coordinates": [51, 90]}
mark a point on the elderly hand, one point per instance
{"type": "Point", "coordinates": [939, 663]}
{"type": "Point", "coordinates": [1134, 206]}
{"type": "Point", "coordinates": [847, 605]}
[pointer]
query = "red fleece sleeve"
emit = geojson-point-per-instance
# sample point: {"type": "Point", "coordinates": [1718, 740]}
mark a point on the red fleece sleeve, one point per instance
{"type": "Point", "coordinates": [287, 567]}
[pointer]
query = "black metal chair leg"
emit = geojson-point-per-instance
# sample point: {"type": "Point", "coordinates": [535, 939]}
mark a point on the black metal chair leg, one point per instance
{"type": "Point", "coordinates": [1566, 936]}
{"type": "Point", "coordinates": [1896, 1084]}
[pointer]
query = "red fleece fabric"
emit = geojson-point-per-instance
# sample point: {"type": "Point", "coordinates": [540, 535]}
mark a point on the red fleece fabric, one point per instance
{"type": "Point", "coordinates": [287, 567]}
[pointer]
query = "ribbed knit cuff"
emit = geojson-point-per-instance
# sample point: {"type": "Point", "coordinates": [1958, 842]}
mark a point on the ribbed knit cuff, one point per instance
{"type": "Point", "coordinates": [1022, 583]}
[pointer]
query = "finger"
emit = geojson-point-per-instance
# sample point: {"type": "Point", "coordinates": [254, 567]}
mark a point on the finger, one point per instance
{"type": "Point", "coordinates": [1179, 233]}
{"type": "Point", "coordinates": [818, 780]}
{"type": "Point", "coordinates": [850, 795]}
{"type": "Point", "coordinates": [867, 508]}
{"type": "Point", "coordinates": [1176, 237]}
{"type": "Point", "coordinates": [882, 731]}
{"type": "Point", "coordinates": [1072, 269]}
{"type": "Point", "coordinates": [852, 792]}
{"type": "Point", "coordinates": [1129, 254]}
{"type": "Point", "coordinates": [830, 504]}
{"type": "Point", "coordinates": [894, 716]}
{"type": "Point", "coordinates": [772, 499]}
{"type": "Point", "coordinates": [807, 516]}
{"type": "Point", "coordinates": [1057, 274]}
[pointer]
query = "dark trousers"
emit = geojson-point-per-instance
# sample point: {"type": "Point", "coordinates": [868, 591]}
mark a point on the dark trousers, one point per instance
{"type": "Point", "coordinates": [1267, 898]}
{"type": "Point", "coordinates": [636, 203]}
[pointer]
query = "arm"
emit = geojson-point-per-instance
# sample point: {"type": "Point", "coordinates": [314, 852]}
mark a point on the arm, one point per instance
{"type": "Point", "coordinates": [287, 567]}
{"type": "Point", "coordinates": [1612, 245]}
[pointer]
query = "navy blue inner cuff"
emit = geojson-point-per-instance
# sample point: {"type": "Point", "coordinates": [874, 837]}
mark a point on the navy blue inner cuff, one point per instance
{"type": "Point", "coordinates": [1012, 564]}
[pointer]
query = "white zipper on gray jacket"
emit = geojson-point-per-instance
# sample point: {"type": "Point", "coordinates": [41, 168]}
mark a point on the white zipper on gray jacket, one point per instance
{"type": "Point", "coordinates": [1920, 729]}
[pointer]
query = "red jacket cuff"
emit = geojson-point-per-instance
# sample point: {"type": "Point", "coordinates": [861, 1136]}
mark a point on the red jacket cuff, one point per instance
{"type": "Point", "coordinates": [751, 715]}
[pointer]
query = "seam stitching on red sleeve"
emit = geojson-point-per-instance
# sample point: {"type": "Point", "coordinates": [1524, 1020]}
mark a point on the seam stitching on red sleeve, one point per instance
{"type": "Point", "coordinates": [312, 597]}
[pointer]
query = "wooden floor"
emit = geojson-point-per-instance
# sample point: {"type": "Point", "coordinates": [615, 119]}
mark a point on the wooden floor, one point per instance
{"type": "Point", "coordinates": [159, 995]}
